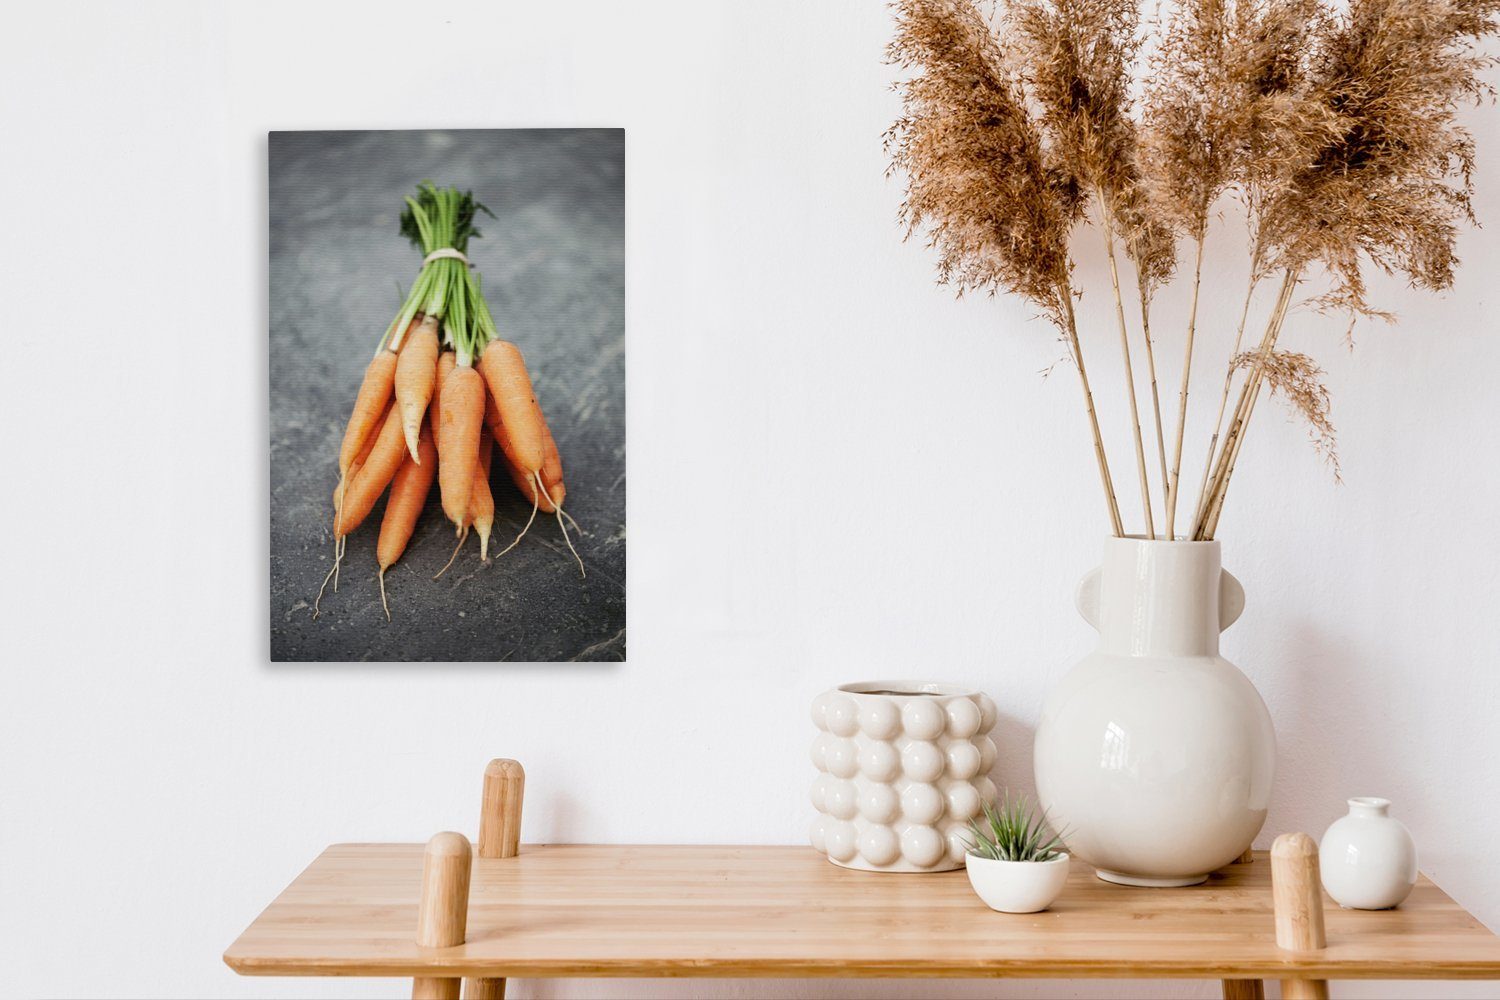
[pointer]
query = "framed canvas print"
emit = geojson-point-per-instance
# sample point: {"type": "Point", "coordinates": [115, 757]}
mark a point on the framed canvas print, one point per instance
{"type": "Point", "coordinates": [447, 395]}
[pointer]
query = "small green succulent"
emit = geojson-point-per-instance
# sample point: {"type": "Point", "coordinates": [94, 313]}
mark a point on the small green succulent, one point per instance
{"type": "Point", "coordinates": [1013, 831]}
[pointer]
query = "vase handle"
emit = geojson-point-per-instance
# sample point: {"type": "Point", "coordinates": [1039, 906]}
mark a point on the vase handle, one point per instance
{"type": "Point", "coordinates": [1231, 598]}
{"type": "Point", "coordinates": [1086, 598]}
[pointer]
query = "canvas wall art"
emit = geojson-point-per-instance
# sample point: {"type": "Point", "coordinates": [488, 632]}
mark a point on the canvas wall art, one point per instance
{"type": "Point", "coordinates": [447, 395]}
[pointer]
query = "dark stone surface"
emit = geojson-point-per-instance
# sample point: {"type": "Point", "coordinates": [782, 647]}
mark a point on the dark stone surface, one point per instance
{"type": "Point", "coordinates": [553, 265]}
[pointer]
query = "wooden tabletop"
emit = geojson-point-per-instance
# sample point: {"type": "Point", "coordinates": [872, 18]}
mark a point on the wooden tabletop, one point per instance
{"type": "Point", "coordinates": [579, 910]}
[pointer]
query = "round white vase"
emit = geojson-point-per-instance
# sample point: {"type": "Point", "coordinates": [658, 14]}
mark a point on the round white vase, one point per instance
{"type": "Point", "coordinates": [903, 766]}
{"type": "Point", "coordinates": [1155, 755]}
{"type": "Point", "coordinates": [1367, 858]}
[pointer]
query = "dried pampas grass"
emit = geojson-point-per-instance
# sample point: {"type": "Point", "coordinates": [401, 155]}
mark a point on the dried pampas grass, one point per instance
{"type": "Point", "coordinates": [998, 217]}
{"type": "Point", "coordinates": [1299, 380]}
{"type": "Point", "coordinates": [978, 177]}
{"type": "Point", "coordinates": [1336, 130]}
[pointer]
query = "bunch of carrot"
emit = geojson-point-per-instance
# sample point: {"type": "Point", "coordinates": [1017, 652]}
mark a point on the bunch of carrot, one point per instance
{"type": "Point", "coordinates": [442, 390]}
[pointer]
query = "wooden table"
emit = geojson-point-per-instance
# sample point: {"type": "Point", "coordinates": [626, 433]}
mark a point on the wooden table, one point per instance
{"type": "Point", "coordinates": [578, 910]}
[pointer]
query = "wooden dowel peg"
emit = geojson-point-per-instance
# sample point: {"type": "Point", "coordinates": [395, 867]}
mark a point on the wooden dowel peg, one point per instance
{"type": "Point", "coordinates": [442, 913]}
{"type": "Point", "coordinates": [1245, 859]}
{"type": "Point", "coordinates": [499, 837]}
{"type": "Point", "coordinates": [1244, 989]}
{"type": "Point", "coordinates": [1297, 894]}
{"type": "Point", "coordinates": [500, 811]}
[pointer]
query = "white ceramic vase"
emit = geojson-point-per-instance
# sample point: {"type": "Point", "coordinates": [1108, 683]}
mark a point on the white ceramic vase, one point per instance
{"type": "Point", "coordinates": [1154, 754]}
{"type": "Point", "coordinates": [903, 766]}
{"type": "Point", "coordinates": [1018, 886]}
{"type": "Point", "coordinates": [1367, 858]}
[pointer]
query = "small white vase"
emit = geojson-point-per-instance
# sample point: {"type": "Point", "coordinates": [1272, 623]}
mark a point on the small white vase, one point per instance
{"type": "Point", "coordinates": [903, 766]}
{"type": "Point", "coordinates": [1154, 755]}
{"type": "Point", "coordinates": [1018, 886]}
{"type": "Point", "coordinates": [1367, 858]}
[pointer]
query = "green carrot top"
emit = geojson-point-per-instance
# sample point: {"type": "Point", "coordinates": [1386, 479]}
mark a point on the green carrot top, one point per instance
{"type": "Point", "coordinates": [446, 290]}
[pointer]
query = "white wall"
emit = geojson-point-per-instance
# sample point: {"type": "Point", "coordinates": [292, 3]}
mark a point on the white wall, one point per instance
{"type": "Point", "coordinates": [837, 472]}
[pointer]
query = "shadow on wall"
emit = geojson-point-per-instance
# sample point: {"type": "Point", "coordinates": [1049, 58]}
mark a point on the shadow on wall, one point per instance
{"type": "Point", "coordinates": [1334, 725]}
{"type": "Point", "coordinates": [1013, 739]}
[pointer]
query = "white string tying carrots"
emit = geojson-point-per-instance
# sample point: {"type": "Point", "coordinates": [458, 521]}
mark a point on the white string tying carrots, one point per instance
{"type": "Point", "coordinates": [449, 253]}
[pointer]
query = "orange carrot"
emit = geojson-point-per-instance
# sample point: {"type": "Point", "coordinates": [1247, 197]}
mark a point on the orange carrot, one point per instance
{"type": "Point", "coordinates": [458, 439]}
{"type": "Point", "coordinates": [364, 489]}
{"type": "Point", "coordinates": [409, 489]}
{"type": "Point", "coordinates": [482, 501]}
{"type": "Point", "coordinates": [505, 373]}
{"type": "Point", "coordinates": [552, 474]}
{"type": "Point", "coordinates": [359, 460]}
{"type": "Point", "coordinates": [551, 479]}
{"type": "Point", "coordinates": [445, 364]}
{"type": "Point", "coordinates": [413, 383]}
{"type": "Point", "coordinates": [481, 510]}
{"type": "Point", "coordinates": [369, 403]}
{"type": "Point", "coordinates": [520, 476]}
{"type": "Point", "coordinates": [492, 416]}
{"type": "Point", "coordinates": [551, 470]}
{"type": "Point", "coordinates": [537, 475]}
{"type": "Point", "coordinates": [369, 414]}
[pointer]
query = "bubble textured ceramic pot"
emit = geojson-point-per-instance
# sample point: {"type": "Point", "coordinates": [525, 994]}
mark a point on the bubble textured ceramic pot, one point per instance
{"type": "Point", "coordinates": [1155, 755]}
{"type": "Point", "coordinates": [903, 766]}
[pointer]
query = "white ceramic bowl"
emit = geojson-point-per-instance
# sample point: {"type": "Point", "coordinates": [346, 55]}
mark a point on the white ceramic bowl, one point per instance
{"type": "Point", "coordinates": [1017, 886]}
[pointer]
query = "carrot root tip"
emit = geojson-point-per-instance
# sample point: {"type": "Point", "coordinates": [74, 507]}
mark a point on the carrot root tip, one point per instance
{"type": "Point", "coordinates": [583, 573]}
{"type": "Point", "coordinates": [319, 599]}
{"type": "Point", "coordinates": [462, 537]}
{"type": "Point", "coordinates": [523, 530]}
{"type": "Point", "coordinates": [383, 603]}
{"type": "Point", "coordinates": [339, 544]}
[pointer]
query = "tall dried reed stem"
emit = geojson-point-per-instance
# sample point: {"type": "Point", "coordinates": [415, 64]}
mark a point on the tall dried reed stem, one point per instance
{"type": "Point", "coordinates": [1135, 414]}
{"type": "Point", "coordinates": [1070, 325]}
{"type": "Point", "coordinates": [1221, 462]}
{"type": "Point", "coordinates": [1182, 395]}
{"type": "Point", "coordinates": [1225, 464]}
{"type": "Point", "coordinates": [1161, 443]}
{"type": "Point", "coordinates": [1229, 370]}
{"type": "Point", "coordinates": [1234, 457]}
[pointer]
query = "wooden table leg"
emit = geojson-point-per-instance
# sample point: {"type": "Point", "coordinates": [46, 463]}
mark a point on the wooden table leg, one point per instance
{"type": "Point", "coordinates": [499, 837]}
{"type": "Point", "coordinates": [1243, 989]}
{"type": "Point", "coordinates": [1297, 894]}
{"type": "Point", "coordinates": [487, 988]}
{"type": "Point", "coordinates": [443, 912]}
